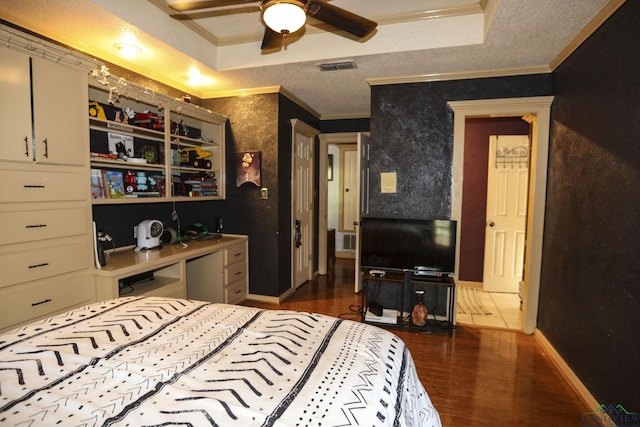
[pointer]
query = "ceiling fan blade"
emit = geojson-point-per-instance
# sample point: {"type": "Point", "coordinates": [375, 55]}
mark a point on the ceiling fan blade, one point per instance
{"type": "Point", "coordinates": [340, 18]}
{"type": "Point", "coordinates": [184, 6]}
{"type": "Point", "coordinates": [271, 40]}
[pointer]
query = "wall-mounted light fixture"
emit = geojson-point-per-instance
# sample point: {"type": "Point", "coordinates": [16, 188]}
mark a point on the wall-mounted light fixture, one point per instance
{"type": "Point", "coordinates": [127, 50]}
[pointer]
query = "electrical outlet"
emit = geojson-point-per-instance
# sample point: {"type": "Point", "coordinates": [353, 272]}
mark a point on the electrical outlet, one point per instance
{"type": "Point", "coordinates": [135, 232]}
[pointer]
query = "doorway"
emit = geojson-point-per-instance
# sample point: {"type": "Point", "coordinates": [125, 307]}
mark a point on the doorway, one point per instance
{"type": "Point", "coordinates": [537, 109]}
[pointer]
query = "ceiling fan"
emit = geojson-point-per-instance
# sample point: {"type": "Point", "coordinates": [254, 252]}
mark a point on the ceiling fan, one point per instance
{"type": "Point", "coordinates": [284, 17]}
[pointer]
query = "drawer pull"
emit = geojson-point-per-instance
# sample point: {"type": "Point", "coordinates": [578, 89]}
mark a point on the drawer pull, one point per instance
{"type": "Point", "coordinates": [33, 186]}
{"type": "Point", "coordinates": [35, 226]}
{"type": "Point", "coordinates": [41, 302]}
{"type": "Point", "coordinates": [237, 254]}
{"type": "Point", "coordinates": [238, 273]}
{"type": "Point", "coordinates": [239, 291]}
{"type": "Point", "coordinates": [44, 264]}
{"type": "Point", "coordinates": [26, 146]}
{"type": "Point", "coordinates": [46, 148]}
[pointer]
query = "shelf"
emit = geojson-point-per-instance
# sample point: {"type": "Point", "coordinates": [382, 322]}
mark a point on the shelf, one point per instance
{"type": "Point", "coordinates": [124, 128]}
{"type": "Point", "coordinates": [120, 164]}
{"type": "Point", "coordinates": [407, 281]}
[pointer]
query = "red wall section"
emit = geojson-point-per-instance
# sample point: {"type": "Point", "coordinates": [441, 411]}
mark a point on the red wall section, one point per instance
{"type": "Point", "coordinates": [474, 190]}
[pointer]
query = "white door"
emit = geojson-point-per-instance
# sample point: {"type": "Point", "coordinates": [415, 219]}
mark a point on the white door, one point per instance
{"type": "Point", "coordinates": [302, 218]}
{"type": "Point", "coordinates": [362, 197]}
{"type": "Point", "coordinates": [349, 184]}
{"type": "Point", "coordinates": [507, 186]}
{"type": "Point", "coordinates": [15, 115]}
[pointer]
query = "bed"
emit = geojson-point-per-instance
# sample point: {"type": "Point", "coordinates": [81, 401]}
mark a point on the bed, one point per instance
{"type": "Point", "coordinates": [150, 361]}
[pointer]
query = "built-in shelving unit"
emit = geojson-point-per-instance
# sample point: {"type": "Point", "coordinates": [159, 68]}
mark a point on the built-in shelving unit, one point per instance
{"type": "Point", "coordinates": [148, 147]}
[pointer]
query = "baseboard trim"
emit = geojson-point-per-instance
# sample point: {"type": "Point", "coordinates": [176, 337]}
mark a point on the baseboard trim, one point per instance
{"type": "Point", "coordinates": [568, 374]}
{"type": "Point", "coordinates": [470, 284]}
{"type": "Point", "coordinates": [271, 300]}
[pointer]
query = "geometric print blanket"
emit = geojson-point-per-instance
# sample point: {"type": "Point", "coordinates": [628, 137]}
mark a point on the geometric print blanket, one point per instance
{"type": "Point", "coordinates": [151, 361]}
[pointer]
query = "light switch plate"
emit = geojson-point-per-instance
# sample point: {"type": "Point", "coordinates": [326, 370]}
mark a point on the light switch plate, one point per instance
{"type": "Point", "coordinates": [264, 193]}
{"type": "Point", "coordinates": [388, 182]}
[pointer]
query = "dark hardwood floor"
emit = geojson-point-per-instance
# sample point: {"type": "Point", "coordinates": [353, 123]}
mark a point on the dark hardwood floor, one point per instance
{"type": "Point", "coordinates": [478, 377]}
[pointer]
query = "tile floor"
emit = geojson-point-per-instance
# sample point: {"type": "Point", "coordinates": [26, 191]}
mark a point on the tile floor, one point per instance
{"type": "Point", "coordinates": [503, 311]}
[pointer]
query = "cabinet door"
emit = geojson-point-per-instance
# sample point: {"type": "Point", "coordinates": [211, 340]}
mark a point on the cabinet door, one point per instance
{"type": "Point", "coordinates": [59, 114]}
{"type": "Point", "coordinates": [15, 108]}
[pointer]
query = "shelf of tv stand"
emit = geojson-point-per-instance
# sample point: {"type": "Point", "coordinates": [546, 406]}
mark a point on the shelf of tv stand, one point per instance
{"type": "Point", "coordinates": [408, 280]}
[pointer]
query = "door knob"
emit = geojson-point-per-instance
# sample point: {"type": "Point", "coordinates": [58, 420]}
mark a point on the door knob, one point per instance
{"type": "Point", "coordinates": [491, 224]}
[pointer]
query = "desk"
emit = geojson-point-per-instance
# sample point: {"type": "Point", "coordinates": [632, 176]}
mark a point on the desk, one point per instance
{"type": "Point", "coordinates": [212, 270]}
{"type": "Point", "coordinates": [408, 282]}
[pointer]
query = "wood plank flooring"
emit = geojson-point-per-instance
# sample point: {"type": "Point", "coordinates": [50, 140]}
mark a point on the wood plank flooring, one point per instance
{"type": "Point", "coordinates": [478, 377]}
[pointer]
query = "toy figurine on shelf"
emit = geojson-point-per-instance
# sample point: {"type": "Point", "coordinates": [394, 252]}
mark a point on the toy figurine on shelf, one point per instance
{"type": "Point", "coordinates": [130, 182]}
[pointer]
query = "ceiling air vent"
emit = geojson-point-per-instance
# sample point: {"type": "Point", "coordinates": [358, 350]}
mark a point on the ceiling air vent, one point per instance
{"type": "Point", "coordinates": [336, 66]}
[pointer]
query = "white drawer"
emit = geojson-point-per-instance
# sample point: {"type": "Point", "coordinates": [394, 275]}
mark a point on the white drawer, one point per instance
{"type": "Point", "coordinates": [235, 292]}
{"type": "Point", "coordinates": [42, 186]}
{"type": "Point", "coordinates": [25, 266]}
{"type": "Point", "coordinates": [234, 272]}
{"type": "Point", "coordinates": [30, 301]}
{"type": "Point", "coordinates": [235, 254]}
{"type": "Point", "coordinates": [30, 226]}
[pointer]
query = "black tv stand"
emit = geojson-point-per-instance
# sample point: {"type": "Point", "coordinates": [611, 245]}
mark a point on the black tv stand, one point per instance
{"type": "Point", "coordinates": [396, 316]}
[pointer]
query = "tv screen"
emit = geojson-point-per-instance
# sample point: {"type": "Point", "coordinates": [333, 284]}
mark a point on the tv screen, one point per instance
{"type": "Point", "coordinates": [390, 243]}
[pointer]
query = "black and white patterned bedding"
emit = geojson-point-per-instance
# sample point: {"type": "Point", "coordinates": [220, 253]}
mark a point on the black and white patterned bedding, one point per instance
{"type": "Point", "coordinates": [157, 361]}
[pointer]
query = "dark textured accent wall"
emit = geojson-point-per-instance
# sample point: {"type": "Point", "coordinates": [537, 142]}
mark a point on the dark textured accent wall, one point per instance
{"type": "Point", "coordinates": [590, 290]}
{"type": "Point", "coordinates": [253, 125]}
{"type": "Point", "coordinates": [262, 122]}
{"type": "Point", "coordinates": [412, 135]}
{"type": "Point", "coordinates": [474, 188]}
{"type": "Point", "coordinates": [345, 125]}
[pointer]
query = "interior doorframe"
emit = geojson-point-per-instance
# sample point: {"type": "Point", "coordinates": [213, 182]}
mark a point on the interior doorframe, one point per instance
{"type": "Point", "coordinates": [540, 107]}
{"type": "Point", "coordinates": [327, 139]}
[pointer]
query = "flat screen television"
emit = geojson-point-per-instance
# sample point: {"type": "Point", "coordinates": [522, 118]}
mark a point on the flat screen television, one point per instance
{"type": "Point", "coordinates": [427, 245]}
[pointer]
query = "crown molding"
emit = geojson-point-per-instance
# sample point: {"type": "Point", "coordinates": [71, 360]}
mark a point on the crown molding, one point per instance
{"type": "Point", "coordinates": [589, 29]}
{"type": "Point", "coordinates": [266, 90]}
{"type": "Point", "coordinates": [505, 72]}
{"type": "Point", "coordinates": [242, 92]}
{"type": "Point", "coordinates": [345, 116]}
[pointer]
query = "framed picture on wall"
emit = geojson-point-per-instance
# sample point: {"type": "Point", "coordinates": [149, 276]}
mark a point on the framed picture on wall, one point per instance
{"type": "Point", "coordinates": [248, 168]}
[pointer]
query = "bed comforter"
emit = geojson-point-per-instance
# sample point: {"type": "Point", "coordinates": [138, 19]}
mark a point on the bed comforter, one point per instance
{"type": "Point", "coordinates": [146, 361]}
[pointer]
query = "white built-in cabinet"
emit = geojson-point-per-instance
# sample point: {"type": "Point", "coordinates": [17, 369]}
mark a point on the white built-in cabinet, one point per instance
{"type": "Point", "coordinates": [45, 210]}
{"type": "Point", "coordinates": [56, 95]}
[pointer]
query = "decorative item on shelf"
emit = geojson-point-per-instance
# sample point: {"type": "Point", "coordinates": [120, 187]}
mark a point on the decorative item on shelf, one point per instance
{"type": "Point", "coordinates": [150, 153]}
{"type": "Point", "coordinates": [419, 313]}
{"type": "Point", "coordinates": [141, 181]}
{"type": "Point", "coordinates": [248, 168]}
{"type": "Point", "coordinates": [195, 157]}
{"type": "Point", "coordinates": [122, 145]}
{"type": "Point", "coordinates": [130, 182]}
{"type": "Point", "coordinates": [96, 110]}
{"type": "Point", "coordinates": [150, 120]}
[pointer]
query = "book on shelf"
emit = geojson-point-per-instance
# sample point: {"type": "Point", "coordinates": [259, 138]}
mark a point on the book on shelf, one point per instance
{"type": "Point", "coordinates": [98, 190]}
{"type": "Point", "coordinates": [115, 182]}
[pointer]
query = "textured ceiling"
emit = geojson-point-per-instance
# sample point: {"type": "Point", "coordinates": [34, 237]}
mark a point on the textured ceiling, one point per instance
{"type": "Point", "coordinates": [415, 40]}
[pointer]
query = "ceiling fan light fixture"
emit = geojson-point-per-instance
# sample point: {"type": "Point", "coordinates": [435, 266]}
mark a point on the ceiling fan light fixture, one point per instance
{"type": "Point", "coordinates": [283, 16]}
